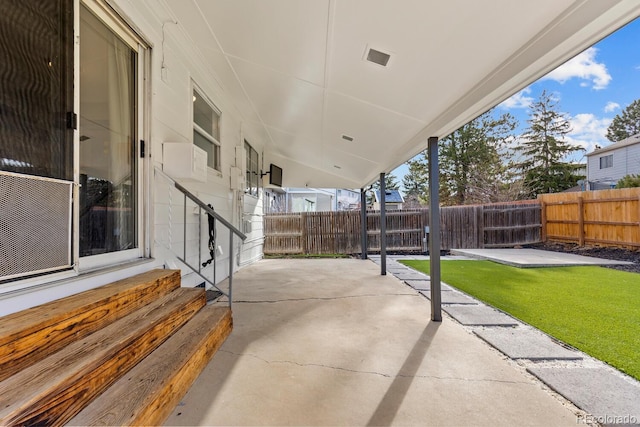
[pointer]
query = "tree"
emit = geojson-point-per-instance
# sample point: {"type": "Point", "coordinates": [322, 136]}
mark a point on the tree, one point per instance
{"type": "Point", "coordinates": [629, 181]}
{"type": "Point", "coordinates": [544, 149]}
{"type": "Point", "coordinates": [474, 155]}
{"type": "Point", "coordinates": [416, 181]}
{"type": "Point", "coordinates": [390, 182]}
{"type": "Point", "coordinates": [625, 124]}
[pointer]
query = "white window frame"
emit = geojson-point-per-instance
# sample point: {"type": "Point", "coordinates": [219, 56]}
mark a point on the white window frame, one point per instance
{"type": "Point", "coordinates": [608, 161]}
{"type": "Point", "coordinates": [122, 29]}
{"type": "Point", "coordinates": [251, 174]}
{"type": "Point", "coordinates": [216, 162]}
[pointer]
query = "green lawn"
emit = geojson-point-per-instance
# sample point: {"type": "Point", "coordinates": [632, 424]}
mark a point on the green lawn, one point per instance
{"type": "Point", "coordinates": [594, 309]}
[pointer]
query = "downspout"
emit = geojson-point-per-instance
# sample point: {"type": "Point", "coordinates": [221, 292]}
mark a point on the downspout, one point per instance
{"type": "Point", "coordinates": [434, 230]}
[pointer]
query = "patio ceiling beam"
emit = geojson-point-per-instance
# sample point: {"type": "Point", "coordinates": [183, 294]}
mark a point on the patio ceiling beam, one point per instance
{"type": "Point", "coordinates": [434, 230]}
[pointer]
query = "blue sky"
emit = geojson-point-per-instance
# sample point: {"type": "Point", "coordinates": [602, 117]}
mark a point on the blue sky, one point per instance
{"type": "Point", "coordinates": [591, 89]}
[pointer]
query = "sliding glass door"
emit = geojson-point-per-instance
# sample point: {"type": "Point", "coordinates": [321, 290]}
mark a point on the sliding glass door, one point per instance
{"type": "Point", "coordinates": [109, 219]}
{"type": "Point", "coordinates": [71, 180]}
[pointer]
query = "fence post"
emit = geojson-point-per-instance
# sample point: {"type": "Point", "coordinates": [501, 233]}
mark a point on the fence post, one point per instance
{"type": "Point", "coordinates": [481, 238]}
{"type": "Point", "coordinates": [303, 235]}
{"type": "Point", "coordinates": [580, 221]}
{"type": "Point", "coordinates": [543, 221]}
{"type": "Point", "coordinates": [334, 233]}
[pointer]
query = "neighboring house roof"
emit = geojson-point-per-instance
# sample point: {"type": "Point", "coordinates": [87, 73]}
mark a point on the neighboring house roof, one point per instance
{"type": "Point", "coordinates": [390, 196]}
{"type": "Point", "coordinates": [573, 189]}
{"type": "Point", "coordinates": [632, 140]}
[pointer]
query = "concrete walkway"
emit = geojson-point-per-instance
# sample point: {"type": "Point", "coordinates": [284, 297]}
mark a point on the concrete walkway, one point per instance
{"type": "Point", "coordinates": [534, 257]}
{"type": "Point", "coordinates": [332, 342]}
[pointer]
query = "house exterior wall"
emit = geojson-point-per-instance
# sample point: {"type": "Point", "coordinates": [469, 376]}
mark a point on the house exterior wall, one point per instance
{"type": "Point", "coordinates": [310, 200]}
{"type": "Point", "coordinates": [347, 200]}
{"type": "Point", "coordinates": [174, 68]}
{"type": "Point", "coordinates": [391, 206]}
{"type": "Point", "coordinates": [625, 161]}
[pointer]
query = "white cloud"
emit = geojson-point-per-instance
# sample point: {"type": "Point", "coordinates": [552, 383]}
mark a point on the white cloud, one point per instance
{"type": "Point", "coordinates": [519, 100]}
{"type": "Point", "coordinates": [611, 107]}
{"type": "Point", "coordinates": [588, 131]}
{"type": "Point", "coordinates": [585, 67]}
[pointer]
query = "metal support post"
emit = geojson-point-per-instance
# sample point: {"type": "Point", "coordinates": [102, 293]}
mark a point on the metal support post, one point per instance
{"type": "Point", "coordinates": [363, 223]}
{"type": "Point", "coordinates": [434, 230]}
{"type": "Point", "coordinates": [383, 227]}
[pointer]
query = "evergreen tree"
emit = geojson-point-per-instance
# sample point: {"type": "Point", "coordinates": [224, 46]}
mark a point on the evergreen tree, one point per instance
{"type": "Point", "coordinates": [390, 182]}
{"type": "Point", "coordinates": [544, 148]}
{"type": "Point", "coordinates": [625, 124]}
{"type": "Point", "coordinates": [473, 156]}
{"type": "Point", "coordinates": [416, 181]}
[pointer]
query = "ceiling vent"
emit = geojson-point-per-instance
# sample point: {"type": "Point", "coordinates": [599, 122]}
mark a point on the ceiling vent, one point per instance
{"type": "Point", "coordinates": [347, 138]}
{"type": "Point", "coordinates": [377, 57]}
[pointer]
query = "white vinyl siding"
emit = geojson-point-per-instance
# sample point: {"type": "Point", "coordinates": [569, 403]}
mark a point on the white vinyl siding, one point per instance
{"type": "Point", "coordinates": [623, 161]}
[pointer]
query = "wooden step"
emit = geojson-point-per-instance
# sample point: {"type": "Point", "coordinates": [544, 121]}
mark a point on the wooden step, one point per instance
{"type": "Point", "coordinates": [51, 326]}
{"type": "Point", "coordinates": [53, 390]}
{"type": "Point", "coordinates": [148, 393]}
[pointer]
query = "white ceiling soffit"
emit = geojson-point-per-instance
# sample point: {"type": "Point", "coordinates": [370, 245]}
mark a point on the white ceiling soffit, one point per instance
{"type": "Point", "coordinates": [302, 67]}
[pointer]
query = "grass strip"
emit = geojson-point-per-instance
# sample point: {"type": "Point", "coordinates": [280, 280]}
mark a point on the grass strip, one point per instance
{"type": "Point", "coordinates": [594, 309]}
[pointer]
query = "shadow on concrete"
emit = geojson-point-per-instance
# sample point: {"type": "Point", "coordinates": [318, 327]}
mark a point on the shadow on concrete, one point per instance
{"type": "Point", "coordinates": [392, 400]}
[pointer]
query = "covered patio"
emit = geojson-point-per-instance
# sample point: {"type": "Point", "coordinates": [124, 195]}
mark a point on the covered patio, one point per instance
{"type": "Point", "coordinates": [333, 342]}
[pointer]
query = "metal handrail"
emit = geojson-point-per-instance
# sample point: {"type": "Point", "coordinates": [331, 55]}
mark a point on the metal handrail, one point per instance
{"type": "Point", "coordinates": [217, 218]}
{"type": "Point", "coordinates": [208, 210]}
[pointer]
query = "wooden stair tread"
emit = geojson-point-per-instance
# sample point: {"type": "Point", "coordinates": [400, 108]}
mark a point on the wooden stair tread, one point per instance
{"type": "Point", "coordinates": [150, 391]}
{"type": "Point", "coordinates": [54, 389]}
{"type": "Point", "coordinates": [51, 326]}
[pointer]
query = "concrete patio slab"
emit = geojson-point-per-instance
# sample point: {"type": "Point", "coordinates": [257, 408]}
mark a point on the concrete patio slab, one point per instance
{"type": "Point", "coordinates": [526, 258]}
{"type": "Point", "coordinates": [410, 275]}
{"type": "Point", "coordinates": [609, 398]}
{"type": "Point", "coordinates": [332, 342]}
{"type": "Point", "coordinates": [526, 343]}
{"type": "Point", "coordinates": [479, 315]}
{"type": "Point", "coordinates": [399, 269]}
{"type": "Point", "coordinates": [452, 297]}
{"type": "Point", "coordinates": [419, 285]}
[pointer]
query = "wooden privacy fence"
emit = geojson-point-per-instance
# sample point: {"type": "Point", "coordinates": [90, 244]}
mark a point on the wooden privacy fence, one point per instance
{"type": "Point", "coordinates": [604, 217]}
{"type": "Point", "coordinates": [468, 227]}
